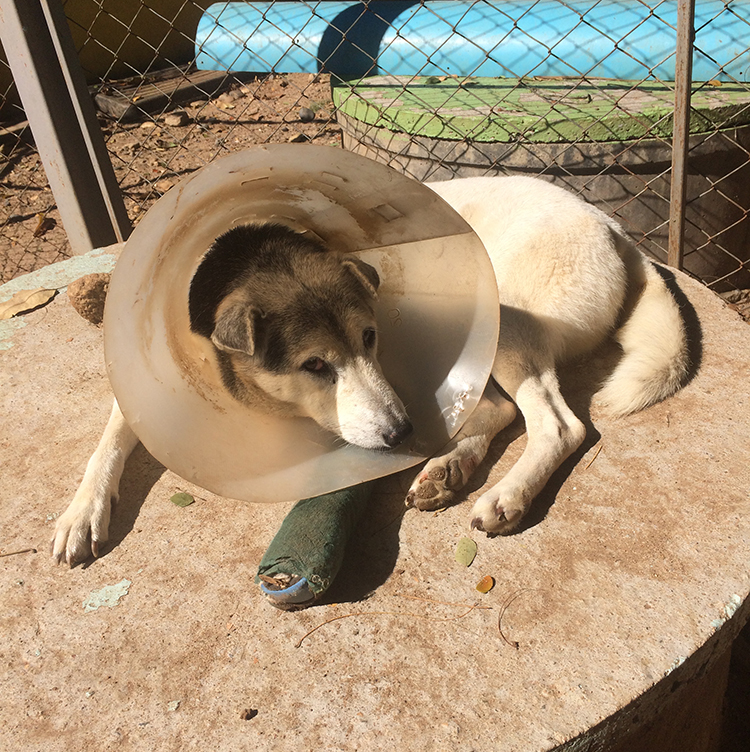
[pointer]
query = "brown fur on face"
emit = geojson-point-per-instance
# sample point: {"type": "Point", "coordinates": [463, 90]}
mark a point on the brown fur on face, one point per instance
{"type": "Point", "coordinates": [294, 331]}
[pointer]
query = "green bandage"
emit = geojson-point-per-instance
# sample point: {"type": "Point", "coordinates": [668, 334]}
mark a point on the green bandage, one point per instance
{"type": "Point", "coordinates": [306, 554]}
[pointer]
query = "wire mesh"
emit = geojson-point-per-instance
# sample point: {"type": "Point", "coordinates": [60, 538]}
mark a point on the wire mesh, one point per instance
{"type": "Point", "coordinates": [577, 92]}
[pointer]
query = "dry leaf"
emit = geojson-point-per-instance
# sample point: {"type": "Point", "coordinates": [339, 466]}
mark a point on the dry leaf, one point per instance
{"type": "Point", "coordinates": [44, 223]}
{"type": "Point", "coordinates": [24, 301]}
{"type": "Point", "coordinates": [466, 550]}
{"type": "Point", "coordinates": [486, 584]}
{"type": "Point", "coordinates": [182, 499]}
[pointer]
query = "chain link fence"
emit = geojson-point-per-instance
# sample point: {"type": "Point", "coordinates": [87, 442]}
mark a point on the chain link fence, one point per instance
{"type": "Point", "coordinates": [580, 93]}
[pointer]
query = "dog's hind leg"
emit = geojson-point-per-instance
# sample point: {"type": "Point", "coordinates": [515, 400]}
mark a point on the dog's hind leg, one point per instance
{"type": "Point", "coordinates": [554, 433]}
{"type": "Point", "coordinates": [445, 474]}
{"type": "Point", "coordinates": [84, 526]}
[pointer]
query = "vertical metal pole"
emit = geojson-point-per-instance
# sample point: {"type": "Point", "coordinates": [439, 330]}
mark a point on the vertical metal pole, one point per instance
{"type": "Point", "coordinates": [681, 129]}
{"type": "Point", "coordinates": [43, 59]}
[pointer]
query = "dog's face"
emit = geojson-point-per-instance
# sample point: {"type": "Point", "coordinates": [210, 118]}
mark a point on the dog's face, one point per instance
{"type": "Point", "coordinates": [295, 333]}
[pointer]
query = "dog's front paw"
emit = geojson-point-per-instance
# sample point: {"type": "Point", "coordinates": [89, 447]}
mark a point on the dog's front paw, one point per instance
{"type": "Point", "coordinates": [498, 511]}
{"type": "Point", "coordinates": [435, 487]}
{"type": "Point", "coordinates": [82, 529]}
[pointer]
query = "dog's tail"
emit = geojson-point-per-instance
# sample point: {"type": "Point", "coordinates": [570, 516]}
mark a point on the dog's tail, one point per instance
{"type": "Point", "coordinates": [653, 338]}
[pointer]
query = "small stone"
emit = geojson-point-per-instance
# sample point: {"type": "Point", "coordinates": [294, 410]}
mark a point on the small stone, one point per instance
{"type": "Point", "coordinates": [149, 125]}
{"type": "Point", "coordinates": [87, 296]}
{"type": "Point", "coordinates": [163, 185]}
{"type": "Point", "coordinates": [228, 97]}
{"type": "Point", "coordinates": [177, 118]}
{"type": "Point", "coordinates": [306, 115]}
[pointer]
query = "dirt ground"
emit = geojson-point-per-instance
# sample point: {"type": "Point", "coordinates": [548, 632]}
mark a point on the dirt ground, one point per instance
{"type": "Point", "coordinates": [150, 155]}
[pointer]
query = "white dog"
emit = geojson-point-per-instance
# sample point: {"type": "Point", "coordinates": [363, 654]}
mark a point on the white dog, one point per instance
{"type": "Point", "coordinates": [568, 280]}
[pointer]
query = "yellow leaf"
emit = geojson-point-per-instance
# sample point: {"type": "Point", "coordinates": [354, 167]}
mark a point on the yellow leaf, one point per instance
{"type": "Point", "coordinates": [44, 223]}
{"type": "Point", "coordinates": [486, 584]}
{"type": "Point", "coordinates": [24, 301]}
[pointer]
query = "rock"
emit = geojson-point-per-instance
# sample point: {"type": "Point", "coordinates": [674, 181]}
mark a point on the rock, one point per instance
{"type": "Point", "coordinates": [87, 296]}
{"type": "Point", "coordinates": [306, 115]}
{"type": "Point", "coordinates": [177, 118]}
{"type": "Point", "coordinates": [229, 96]}
{"type": "Point", "coordinates": [298, 138]}
{"type": "Point", "coordinates": [163, 185]}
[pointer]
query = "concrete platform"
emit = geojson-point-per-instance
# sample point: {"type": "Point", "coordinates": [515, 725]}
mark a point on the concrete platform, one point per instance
{"type": "Point", "coordinates": [608, 628]}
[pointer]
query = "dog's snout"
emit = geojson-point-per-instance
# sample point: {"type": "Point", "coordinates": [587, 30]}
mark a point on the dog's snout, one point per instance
{"type": "Point", "coordinates": [398, 434]}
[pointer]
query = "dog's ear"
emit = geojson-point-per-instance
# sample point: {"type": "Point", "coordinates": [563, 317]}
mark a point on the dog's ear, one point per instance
{"type": "Point", "coordinates": [235, 329]}
{"type": "Point", "coordinates": [364, 273]}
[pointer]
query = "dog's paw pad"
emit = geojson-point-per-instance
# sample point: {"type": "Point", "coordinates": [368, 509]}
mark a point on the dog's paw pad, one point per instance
{"type": "Point", "coordinates": [425, 490]}
{"type": "Point", "coordinates": [425, 496]}
{"type": "Point", "coordinates": [449, 475]}
{"type": "Point", "coordinates": [434, 487]}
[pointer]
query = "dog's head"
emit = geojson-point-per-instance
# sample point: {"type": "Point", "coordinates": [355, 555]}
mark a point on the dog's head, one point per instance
{"type": "Point", "coordinates": [294, 330]}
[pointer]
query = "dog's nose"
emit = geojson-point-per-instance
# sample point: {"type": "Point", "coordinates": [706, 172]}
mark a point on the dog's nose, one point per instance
{"type": "Point", "coordinates": [395, 437]}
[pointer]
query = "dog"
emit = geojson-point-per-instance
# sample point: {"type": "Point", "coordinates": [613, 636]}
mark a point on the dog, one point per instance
{"type": "Point", "coordinates": [294, 330]}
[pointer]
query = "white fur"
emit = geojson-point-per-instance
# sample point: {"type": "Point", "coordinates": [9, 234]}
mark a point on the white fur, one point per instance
{"type": "Point", "coordinates": [566, 276]}
{"type": "Point", "coordinates": [84, 525]}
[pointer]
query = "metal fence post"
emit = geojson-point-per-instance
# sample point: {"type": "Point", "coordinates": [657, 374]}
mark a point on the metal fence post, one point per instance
{"type": "Point", "coordinates": [53, 90]}
{"type": "Point", "coordinates": [681, 129]}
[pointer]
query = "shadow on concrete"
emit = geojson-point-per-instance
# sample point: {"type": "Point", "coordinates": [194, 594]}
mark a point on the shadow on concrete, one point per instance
{"type": "Point", "coordinates": [373, 548]}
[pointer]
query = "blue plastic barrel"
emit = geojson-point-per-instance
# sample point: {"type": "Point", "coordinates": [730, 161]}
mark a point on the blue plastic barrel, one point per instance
{"type": "Point", "coordinates": [622, 39]}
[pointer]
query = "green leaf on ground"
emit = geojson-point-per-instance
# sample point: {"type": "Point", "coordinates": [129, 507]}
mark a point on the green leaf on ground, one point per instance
{"type": "Point", "coordinates": [182, 499]}
{"type": "Point", "coordinates": [466, 550]}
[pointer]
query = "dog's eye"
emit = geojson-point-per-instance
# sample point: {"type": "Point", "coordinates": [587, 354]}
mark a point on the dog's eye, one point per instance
{"type": "Point", "coordinates": [316, 365]}
{"type": "Point", "coordinates": [369, 338]}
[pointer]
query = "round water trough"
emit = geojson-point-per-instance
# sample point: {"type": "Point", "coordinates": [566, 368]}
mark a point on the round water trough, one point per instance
{"type": "Point", "coordinates": [609, 140]}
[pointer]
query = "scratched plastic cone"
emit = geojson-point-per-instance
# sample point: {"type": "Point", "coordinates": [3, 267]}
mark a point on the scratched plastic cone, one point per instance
{"type": "Point", "coordinates": [437, 320]}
